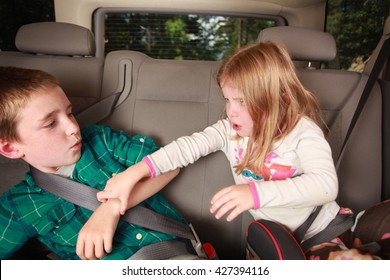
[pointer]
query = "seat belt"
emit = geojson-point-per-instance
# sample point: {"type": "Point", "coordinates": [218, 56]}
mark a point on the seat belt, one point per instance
{"type": "Point", "coordinates": [97, 111]}
{"type": "Point", "coordinates": [336, 227]}
{"type": "Point", "coordinates": [378, 65]}
{"type": "Point", "coordinates": [85, 196]}
{"type": "Point", "coordinates": [341, 223]}
{"type": "Point", "coordinates": [302, 229]}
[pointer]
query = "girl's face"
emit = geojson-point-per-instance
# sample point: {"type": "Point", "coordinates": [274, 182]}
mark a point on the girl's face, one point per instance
{"type": "Point", "coordinates": [237, 111]}
{"type": "Point", "coordinates": [49, 134]}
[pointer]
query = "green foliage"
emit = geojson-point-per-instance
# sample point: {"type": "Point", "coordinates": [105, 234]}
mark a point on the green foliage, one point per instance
{"type": "Point", "coordinates": [357, 27]}
{"type": "Point", "coordinates": [181, 36]}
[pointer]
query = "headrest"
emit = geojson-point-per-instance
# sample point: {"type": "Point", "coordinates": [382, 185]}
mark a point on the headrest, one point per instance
{"type": "Point", "coordinates": [56, 38]}
{"type": "Point", "coordinates": [302, 43]}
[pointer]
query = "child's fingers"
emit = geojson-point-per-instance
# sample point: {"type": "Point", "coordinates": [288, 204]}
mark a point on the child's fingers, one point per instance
{"type": "Point", "coordinates": [104, 195]}
{"type": "Point", "coordinates": [220, 199]}
{"type": "Point", "coordinates": [219, 194]}
{"type": "Point", "coordinates": [100, 196]}
{"type": "Point", "coordinates": [224, 208]}
{"type": "Point", "coordinates": [108, 244]}
{"type": "Point", "coordinates": [123, 206]}
{"type": "Point", "coordinates": [80, 248]}
{"type": "Point", "coordinates": [233, 214]}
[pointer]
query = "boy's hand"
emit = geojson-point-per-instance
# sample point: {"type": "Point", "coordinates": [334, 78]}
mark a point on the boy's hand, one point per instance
{"type": "Point", "coordinates": [95, 238]}
{"type": "Point", "coordinates": [236, 198]}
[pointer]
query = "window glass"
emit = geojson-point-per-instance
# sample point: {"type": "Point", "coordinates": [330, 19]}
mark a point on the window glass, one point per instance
{"type": "Point", "coordinates": [15, 13]}
{"type": "Point", "coordinates": [172, 36]}
{"type": "Point", "coordinates": [357, 27]}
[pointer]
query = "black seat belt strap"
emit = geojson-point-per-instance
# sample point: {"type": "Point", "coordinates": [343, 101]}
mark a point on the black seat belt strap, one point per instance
{"type": "Point", "coordinates": [301, 231]}
{"type": "Point", "coordinates": [378, 65]}
{"type": "Point", "coordinates": [336, 227]}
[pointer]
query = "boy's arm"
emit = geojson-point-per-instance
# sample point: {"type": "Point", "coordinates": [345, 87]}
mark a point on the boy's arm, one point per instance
{"type": "Point", "coordinates": [121, 185]}
{"type": "Point", "coordinates": [95, 238]}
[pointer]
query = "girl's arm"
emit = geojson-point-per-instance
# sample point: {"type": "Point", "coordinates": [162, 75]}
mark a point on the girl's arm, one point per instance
{"type": "Point", "coordinates": [133, 181]}
{"type": "Point", "coordinates": [182, 152]}
{"type": "Point", "coordinates": [188, 149]}
{"type": "Point", "coordinates": [316, 185]}
{"type": "Point", "coordinates": [147, 187]}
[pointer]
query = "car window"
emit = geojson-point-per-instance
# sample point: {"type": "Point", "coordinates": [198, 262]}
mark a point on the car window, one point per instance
{"type": "Point", "coordinates": [357, 27]}
{"type": "Point", "coordinates": [15, 13]}
{"type": "Point", "coordinates": [185, 36]}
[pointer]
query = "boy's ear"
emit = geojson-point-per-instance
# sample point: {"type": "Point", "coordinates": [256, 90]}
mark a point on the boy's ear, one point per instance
{"type": "Point", "coordinates": [8, 150]}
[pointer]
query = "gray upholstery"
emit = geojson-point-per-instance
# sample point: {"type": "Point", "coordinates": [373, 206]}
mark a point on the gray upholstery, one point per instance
{"type": "Point", "coordinates": [302, 43]}
{"type": "Point", "coordinates": [360, 171]}
{"type": "Point", "coordinates": [165, 99]}
{"type": "Point", "coordinates": [55, 38]}
{"type": "Point", "coordinates": [64, 50]}
{"type": "Point", "coordinates": [168, 99]}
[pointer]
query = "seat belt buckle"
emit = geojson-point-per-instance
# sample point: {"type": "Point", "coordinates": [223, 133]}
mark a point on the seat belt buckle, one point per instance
{"type": "Point", "coordinates": [206, 250]}
{"type": "Point", "coordinates": [197, 244]}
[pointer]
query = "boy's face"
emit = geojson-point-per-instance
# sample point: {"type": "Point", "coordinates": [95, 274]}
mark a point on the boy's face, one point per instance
{"type": "Point", "coordinates": [49, 133]}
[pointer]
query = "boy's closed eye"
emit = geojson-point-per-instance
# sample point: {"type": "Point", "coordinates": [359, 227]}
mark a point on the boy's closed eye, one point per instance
{"type": "Point", "coordinates": [49, 124]}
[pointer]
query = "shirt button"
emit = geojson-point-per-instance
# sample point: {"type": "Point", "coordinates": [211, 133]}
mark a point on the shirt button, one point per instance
{"type": "Point", "coordinates": [138, 236]}
{"type": "Point", "coordinates": [142, 140]}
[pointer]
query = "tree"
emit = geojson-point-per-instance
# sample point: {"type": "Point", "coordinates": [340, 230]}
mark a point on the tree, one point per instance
{"type": "Point", "coordinates": [357, 27]}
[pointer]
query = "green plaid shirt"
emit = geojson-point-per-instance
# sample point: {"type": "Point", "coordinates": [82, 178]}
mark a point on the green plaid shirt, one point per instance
{"type": "Point", "coordinates": [28, 211]}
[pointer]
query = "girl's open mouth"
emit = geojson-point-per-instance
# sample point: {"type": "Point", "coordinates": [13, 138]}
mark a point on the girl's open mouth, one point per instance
{"type": "Point", "coordinates": [236, 127]}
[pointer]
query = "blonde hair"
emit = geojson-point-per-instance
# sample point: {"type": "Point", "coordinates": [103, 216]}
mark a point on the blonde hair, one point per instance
{"type": "Point", "coordinates": [275, 97]}
{"type": "Point", "coordinates": [17, 86]}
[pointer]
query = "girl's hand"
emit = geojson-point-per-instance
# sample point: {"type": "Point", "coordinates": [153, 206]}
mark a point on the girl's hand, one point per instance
{"type": "Point", "coordinates": [95, 238]}
{"type": "Point", "coordinates": [121, 185]}
{"type": "Point", "coordinates": [236, 198]}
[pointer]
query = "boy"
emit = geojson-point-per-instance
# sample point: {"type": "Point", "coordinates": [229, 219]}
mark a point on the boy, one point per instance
{"type": "Point", "coordinates": [38, 126]}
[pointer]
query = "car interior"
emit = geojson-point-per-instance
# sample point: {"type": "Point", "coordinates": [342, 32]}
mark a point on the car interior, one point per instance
{"type": "Point", "coordinates": [168, 98]}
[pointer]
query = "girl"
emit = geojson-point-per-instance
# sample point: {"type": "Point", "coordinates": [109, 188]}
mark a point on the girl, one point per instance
{"type": "Point", "coordinates": [281, 163]}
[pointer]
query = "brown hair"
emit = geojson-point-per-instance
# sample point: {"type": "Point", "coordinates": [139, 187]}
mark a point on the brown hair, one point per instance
{"type": "Point", "coordinates": [17, 86]}
{"type": "Point", "coordinates": [275, 97]}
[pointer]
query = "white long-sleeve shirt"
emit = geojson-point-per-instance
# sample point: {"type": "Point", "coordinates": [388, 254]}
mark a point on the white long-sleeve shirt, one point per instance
{"type": "Point", "coordinates": [298, 173]}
